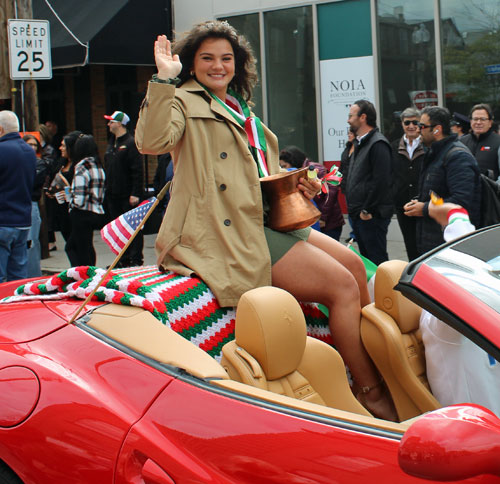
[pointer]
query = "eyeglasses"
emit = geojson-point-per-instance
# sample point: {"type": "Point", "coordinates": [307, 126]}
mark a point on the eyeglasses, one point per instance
{"type": "Point", "coordinates": [422, 125]}
{"type": "Point", "coordinates": [479, 120]}
{"type": "Point", "coordinates": [411, 121]}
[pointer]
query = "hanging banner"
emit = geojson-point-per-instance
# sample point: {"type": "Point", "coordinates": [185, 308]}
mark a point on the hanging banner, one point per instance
{"type": "Point", "coordinates": [343, 81]}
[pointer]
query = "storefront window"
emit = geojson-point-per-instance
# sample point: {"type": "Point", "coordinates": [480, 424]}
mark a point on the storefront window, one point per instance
{"type": "Point", "coordinates": [471, 46]}
{"type": "Point", "coordinates": [248, 25]}
{"type": "Point", "coordinates": [407, 59]}
{"type": "Point", "coordinates": [291, 95]}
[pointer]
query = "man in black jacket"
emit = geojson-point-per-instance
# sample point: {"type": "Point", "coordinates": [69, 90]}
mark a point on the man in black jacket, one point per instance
{"type": "Point", "coordinates": [124, 180]}
{"type": "Point", "coordinates": [450, 171]}
{"type": "Point", "coordinates": [368, 189]}
{"type": "Point", "coordinates": [483, 141]}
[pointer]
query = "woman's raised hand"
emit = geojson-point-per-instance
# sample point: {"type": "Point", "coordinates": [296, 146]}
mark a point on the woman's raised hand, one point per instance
{"type": "Point", "coordinates": [168, 66]}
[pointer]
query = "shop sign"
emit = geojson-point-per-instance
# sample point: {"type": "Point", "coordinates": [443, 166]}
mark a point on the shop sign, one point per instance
{"type": "Point", "coordinates": [343, 81]}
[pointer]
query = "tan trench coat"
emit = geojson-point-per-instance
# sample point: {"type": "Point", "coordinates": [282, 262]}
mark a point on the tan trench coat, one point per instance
{"type": "Point", "coordinates": [213, 226]}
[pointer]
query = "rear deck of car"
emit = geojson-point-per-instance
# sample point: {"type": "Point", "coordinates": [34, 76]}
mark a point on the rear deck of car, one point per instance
{"type": "Point", "coordinates": [140, 331]}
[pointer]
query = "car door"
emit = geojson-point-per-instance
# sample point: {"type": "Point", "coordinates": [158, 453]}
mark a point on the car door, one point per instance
{"type": "Point", "coordinates": [196, 431]}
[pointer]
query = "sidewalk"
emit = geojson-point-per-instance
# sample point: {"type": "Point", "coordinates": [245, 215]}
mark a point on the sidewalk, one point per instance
{"type": "Point", "coordinates": [58, 261]}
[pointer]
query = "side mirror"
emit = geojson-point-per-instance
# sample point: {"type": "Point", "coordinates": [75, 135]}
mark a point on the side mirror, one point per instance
{"type": "Point", "coordinates": [452, 443]}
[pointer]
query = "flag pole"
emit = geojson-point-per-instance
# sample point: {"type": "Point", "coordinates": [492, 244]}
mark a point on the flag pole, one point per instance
{"type": "Point", "coordinates": [160, 196]}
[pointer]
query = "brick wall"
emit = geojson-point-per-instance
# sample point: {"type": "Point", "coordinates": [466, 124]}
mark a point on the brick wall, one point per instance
{"type": "Point", "coordinates": [98, 108]}
{"type": "Point", "coordinates": [98, 96]}
{"type": "Point", "coordinates": [69, 104]}
{"type": "Point", "coordinates": [144, 74]}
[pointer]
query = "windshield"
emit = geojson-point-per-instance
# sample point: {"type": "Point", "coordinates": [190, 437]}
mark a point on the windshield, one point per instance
{"type": "Point", "coordinates": [474, 265]}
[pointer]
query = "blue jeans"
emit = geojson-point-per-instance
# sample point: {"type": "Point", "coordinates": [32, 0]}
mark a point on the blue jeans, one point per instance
{"type": "Point", "coordinates": [13, 253]}
{"type": "Point", "coordinates": [34, 251]}
{"type": "Point", "coordinates": [371, 236]}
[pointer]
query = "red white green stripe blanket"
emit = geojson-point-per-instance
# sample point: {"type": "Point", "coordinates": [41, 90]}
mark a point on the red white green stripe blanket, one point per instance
{"type": "Point", "coordinates": [185, 304]}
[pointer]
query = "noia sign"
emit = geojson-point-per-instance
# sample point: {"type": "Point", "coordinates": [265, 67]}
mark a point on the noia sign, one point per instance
{"type": "Point", "coordinates": [29, 49]}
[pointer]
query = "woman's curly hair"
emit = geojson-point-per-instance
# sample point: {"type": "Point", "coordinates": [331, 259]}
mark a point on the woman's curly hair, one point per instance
{"type": "Point", "coordinates": [245, 72]}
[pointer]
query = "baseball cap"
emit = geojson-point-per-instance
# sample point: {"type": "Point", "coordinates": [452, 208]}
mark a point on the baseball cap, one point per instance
{"type": "Point", "coordinates": [119, 117]}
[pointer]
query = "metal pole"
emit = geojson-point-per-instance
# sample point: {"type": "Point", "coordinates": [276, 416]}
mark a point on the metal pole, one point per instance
{"type": "Point", "coordinates": [23, 117]}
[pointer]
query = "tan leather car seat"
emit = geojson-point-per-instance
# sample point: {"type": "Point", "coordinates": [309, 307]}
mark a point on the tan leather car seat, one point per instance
{"type": "Point", "coordinates": [272, 351]}
{"type": "Point", "coordinates": [391, 335]}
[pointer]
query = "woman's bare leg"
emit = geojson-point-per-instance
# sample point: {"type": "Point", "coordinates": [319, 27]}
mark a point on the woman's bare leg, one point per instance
{"type": "Point", "coordinates": [349, 259]}
{"type": "Point", "coordinates": [311, 274]}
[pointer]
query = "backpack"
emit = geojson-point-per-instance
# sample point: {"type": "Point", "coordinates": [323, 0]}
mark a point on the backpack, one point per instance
{"type": "Point", "coordinates": [490, 195]}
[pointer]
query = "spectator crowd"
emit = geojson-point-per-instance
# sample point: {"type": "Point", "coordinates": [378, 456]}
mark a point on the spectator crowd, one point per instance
{"type": "Point", "coordinates": [72, 192]}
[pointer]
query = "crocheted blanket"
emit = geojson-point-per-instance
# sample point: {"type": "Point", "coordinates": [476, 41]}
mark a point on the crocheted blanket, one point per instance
{"type": "Point", "coordinates": [185, 304]}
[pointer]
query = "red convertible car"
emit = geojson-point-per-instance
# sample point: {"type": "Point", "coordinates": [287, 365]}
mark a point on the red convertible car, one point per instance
{"type": "Point", "coordinates": [118, 397]}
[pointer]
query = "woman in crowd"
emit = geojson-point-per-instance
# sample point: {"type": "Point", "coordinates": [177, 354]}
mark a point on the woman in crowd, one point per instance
{"type": "Point", "coordinates": [59, 208]}
{"type": "Point", "coordinates": [196, 108]}
{"type": "Point", "coordinates": [85, 202]}
{"type": "Point", "coordinates": [42, 173]}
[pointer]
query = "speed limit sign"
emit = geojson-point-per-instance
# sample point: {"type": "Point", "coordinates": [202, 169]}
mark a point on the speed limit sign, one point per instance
{"type": "Point", "coordinates": [29, 49]}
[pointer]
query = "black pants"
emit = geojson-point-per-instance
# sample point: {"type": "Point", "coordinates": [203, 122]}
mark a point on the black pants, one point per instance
{"type": "Point", "coordinates": [371, 236]}
{"type": "Point", "coordinates": [408, 226]}
{"type": "Point", "coordinates": [80, 246]}
{"type": "Point", "coordinates": [133, 255]}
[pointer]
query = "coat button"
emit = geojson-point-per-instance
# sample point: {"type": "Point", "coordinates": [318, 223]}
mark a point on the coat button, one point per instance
{"type": "Point", "coordinates": [223, 155]}
{"type": "Point", "coordinates": [222, 187]}
{"type": "Point", "coordinates": [227, 222]}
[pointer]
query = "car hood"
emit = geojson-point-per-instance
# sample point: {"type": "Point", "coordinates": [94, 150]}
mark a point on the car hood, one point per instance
{"type": "Point", "coordinates": [25, 321]}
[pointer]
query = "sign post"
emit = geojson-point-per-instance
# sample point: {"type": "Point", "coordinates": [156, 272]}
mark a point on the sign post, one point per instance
{"type": "Point", "coordinates": [29, 49]}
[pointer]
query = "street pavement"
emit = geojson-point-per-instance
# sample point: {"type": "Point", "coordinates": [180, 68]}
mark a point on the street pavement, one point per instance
{"type": "Point", "coordinates": [58, 261]}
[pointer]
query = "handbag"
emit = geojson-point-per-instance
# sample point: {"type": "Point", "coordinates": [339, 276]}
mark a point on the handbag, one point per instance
{"type": "Point", "coordinates": [58, 183]}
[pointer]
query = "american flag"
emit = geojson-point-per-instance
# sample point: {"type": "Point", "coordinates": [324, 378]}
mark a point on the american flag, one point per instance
{"type": "Point", "coordinates": [117, 233]}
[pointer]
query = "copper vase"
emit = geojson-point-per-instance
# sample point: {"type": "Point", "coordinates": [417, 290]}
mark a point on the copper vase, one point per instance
{"type": "Point", "coordinates": [289, 208]}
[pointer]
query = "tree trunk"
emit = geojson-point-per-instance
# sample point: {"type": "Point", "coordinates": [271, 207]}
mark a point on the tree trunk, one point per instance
{"type": "Point", "coordinates": [23, 93]}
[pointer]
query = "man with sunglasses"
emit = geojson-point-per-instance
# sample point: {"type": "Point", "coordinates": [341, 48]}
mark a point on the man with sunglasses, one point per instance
{"type": "Point", "coordinates": [449, 170]}
{"type": "Point", "coordinates": [483, 141]}
{"type": "Point", "coordinates": [408, 153]}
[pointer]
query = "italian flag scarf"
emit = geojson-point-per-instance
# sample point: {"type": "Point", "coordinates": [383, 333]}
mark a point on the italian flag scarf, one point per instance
{"type": "Point", "coordinates": [252, 125]}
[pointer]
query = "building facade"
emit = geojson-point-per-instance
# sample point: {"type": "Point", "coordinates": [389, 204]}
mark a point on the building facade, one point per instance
{"type": "Point", "coordinates": [317, 57]}
{"type": "Point", "coordinates": [101, 56]}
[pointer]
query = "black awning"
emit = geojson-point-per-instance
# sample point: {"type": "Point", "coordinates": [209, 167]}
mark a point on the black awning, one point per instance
{"type": "Point", "coordinates": [117, 31]}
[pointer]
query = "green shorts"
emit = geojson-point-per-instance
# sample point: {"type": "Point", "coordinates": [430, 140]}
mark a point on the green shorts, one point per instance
{"type": "Point", "coordinates": [280, 243]}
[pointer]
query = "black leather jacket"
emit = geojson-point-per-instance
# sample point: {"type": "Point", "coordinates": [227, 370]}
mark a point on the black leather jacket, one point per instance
{"type": "Point", "coordinates": [124, 168]}
{"type": "Point", "coordinates": [485, 149]}
{"type": "Point", "coordinates": [455, 177]}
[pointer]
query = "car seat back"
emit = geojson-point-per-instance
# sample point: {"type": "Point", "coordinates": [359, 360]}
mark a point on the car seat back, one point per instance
{"type": "Point", "coordinates": [272, 351]}
{"type": "Point", "coordinates": [391, 335]}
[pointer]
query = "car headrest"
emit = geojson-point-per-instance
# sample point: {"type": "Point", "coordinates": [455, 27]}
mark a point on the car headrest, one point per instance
{"type": "Point", "coordinates": [387, 299]}
{"type": "Point", "coordinates": [270, 325]}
